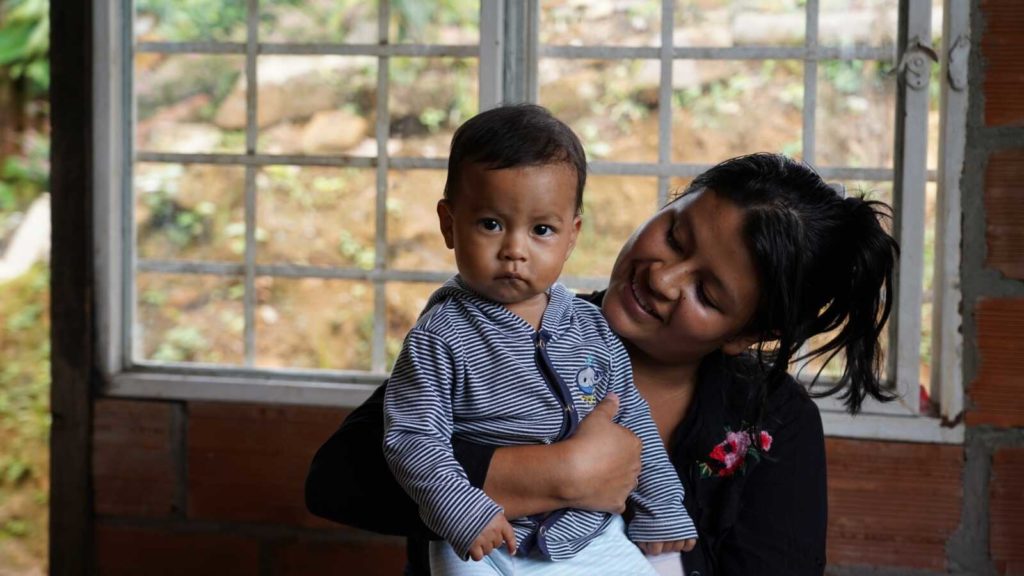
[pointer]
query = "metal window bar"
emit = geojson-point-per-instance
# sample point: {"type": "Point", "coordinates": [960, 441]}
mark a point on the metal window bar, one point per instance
{"type": "Point", "coordinates": [251, 133]}
{"type": "Point", "coordinates": [665, 100]}
{"type": "Point", "coordinates": [381, 242]}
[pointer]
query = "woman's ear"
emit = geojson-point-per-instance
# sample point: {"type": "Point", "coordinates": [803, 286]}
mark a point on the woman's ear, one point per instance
{"type": "Point", "coordinates": [739, 344]}
{"type": "Point", "coordinates": [447, 222]}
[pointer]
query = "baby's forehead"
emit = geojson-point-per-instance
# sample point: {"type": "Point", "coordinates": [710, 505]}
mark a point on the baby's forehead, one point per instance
{"type": "Point", "coordinates": [482, 180]}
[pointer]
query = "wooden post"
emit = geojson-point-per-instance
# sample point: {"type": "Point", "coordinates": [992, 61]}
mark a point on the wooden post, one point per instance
{"type": "Point", "coordinates": [71, 288]}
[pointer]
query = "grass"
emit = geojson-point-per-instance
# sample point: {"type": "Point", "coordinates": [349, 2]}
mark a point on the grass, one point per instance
{"type": "Point", "coordinates": [24, 422]}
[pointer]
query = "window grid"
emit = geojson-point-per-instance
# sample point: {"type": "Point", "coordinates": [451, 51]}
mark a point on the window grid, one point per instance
{"type": "Point", "coordinates": [252, 161]}
{"type": "Point", "coordinates": [912, 180]}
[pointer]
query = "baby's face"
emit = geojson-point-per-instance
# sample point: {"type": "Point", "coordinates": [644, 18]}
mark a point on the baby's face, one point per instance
{"type": "Point", "coordinates": [512, 229]}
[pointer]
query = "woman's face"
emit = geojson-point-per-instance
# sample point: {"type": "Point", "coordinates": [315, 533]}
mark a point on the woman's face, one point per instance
{"type": "Point", "coordinates": [684, 284]}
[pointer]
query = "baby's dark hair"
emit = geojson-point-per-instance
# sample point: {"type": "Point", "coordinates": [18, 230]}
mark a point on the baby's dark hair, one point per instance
{"type": "Point", "coordinates": [825, 264]}
{"type": "Point", "coordinates": [512, 136]}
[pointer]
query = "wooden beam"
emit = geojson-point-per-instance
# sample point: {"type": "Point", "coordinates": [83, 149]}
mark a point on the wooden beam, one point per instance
{"type": "Point", "coordinates": [71, 288]}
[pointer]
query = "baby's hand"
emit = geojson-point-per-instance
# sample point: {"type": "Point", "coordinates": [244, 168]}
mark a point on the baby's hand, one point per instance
{"type": "Point", "coordinates": [655, 548]}
{"type": "Point", "coordinates": [498, 530]}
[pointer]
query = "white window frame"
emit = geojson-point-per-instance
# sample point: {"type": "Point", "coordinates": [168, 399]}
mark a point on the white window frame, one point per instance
{"type": "Point", "coordinates": [508, 71]}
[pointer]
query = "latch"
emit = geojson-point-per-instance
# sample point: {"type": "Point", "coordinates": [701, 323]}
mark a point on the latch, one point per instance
{"type": "Point", "coordinates": [915, 66]}
{"type": "Point", "coordinates": [956, 68]}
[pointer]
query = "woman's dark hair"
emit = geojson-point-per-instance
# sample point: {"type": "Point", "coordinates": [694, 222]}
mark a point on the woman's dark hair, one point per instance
{"type": "Point", "coordinates": [512, 136]}
{"type": "Point", "coordinates": [825, 264]}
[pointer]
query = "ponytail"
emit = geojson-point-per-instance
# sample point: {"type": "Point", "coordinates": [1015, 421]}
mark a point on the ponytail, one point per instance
{"type": "Point", "coordinates": [861, 303]}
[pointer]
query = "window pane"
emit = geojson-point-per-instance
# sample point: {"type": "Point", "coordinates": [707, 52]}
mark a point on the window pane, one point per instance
{"type": "Point", "coordinates": [624, 23]}
{"type": "Point", "coordinates": [190, 212]}
{"type": "Point", "coordinates": [858, 22]}
{"type": "Point", "coordinates": [414, 238]}
{"type": "Point", "coordinates": [435, 22]}
{"type": "Point", "coordinates": [338, 21]}
{"type": "Point", "coordinates": [187, 103]}
{"type": "Point", "coordinates": [714, 106]}
{"type": "Point", "coordinates": [611, 104]}
{"type": "Point", "coordinates": [856, 112]}
{"type": "Point", "coordinates": [315, 105]}
{"type": "Point", "coordinates": [429, 99]}
{"type": "Point", "coordinates": [613, 207]}
{"type": "Point", "coordinates": [405, 302]}
{"type": "Point", "coordinates": [314, 323]}
{"type": "Point", "coordinates": [316, 216]}
{"type": "Point", "coordinates": [190, 318]}
{"type": "Point", "coordinates": [746, 23]}
{"type": "Point", "coordinates": [192, 21]}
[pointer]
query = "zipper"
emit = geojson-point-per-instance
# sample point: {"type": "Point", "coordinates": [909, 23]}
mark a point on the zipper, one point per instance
{"type": "Point", "coordinates": [570, 419]}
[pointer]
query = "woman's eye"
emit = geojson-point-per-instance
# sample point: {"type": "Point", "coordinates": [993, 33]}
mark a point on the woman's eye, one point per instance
{"type": "Point", "coordinates": [673, 242]}
{"type": "Point", "coordinates": [543, 230]}
{"type": "Point", "coordinates": [702, 296]}
{"type": "Point", "coordinates": [490, 224]}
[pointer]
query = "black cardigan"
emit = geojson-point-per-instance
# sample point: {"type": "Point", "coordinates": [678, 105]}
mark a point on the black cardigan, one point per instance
{"type": "Point", "coordinates": [766, 517]}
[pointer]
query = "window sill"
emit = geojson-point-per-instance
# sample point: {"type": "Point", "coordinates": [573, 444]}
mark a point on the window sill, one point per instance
{"type": "Point", "coordinates": [350, 390]}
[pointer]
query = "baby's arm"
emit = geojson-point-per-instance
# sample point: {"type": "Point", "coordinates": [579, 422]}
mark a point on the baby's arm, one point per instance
{"type": "Point", "coordinates": [659, 515]}
{"type": "Point", "coordinates": [497, 532]}
{"type": "Point", "coordinates": [417, 443]}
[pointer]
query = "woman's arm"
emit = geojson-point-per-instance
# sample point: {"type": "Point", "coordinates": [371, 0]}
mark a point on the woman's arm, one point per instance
{"type": "Point", "coordinates": [349, 481]}
{"type": "Point", "coordinates": [783, 510]}
{"type": "Point", "coordinates": [595, 469]}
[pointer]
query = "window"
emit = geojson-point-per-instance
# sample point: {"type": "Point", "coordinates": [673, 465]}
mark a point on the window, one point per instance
{"type": "Point", "coordinates": [270, 167]}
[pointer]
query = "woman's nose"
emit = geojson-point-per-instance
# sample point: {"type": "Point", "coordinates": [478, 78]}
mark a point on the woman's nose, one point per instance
{"type": "Point", "coordinates": [667, 279]}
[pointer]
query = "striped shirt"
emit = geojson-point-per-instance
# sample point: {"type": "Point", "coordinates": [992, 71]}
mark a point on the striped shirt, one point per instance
{"type": "Point", "coordinates": [471, 368]}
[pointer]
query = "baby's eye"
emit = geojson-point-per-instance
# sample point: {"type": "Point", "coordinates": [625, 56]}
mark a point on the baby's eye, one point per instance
{"type": "Point", "coordinates": [490, 224]}
{"type": "Point", "coordinates": [543, 230]}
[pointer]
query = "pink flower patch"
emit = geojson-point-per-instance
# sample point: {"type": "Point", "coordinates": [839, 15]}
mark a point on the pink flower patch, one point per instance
{"type": "Point", "coordinates": [731, 455]}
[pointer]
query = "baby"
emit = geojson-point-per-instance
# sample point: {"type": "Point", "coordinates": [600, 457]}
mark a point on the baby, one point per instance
{"type": "Point", "coordinates": [505, 355]}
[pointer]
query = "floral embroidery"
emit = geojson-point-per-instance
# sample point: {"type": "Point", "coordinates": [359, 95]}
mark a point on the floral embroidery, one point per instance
{"type": "Point", "coordinates": [731, 455]}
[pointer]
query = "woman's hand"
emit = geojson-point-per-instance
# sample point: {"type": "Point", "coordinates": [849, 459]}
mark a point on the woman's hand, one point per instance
{"type": "Point", "coordinates": [595, 470]}
{"type": "Point", "coordinates": [604, 461]}
{"type": "Point", "coordinates": [655, 548]}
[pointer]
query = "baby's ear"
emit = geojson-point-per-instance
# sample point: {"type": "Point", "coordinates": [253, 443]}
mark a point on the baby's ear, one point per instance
{"type": "Point", "coordinates": [447, 222]}
{"type": "Point", "coordinates": [577, 222]}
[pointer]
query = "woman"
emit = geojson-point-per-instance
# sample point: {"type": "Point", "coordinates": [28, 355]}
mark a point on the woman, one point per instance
{"type": "Point", "coordinates": [713, 296]}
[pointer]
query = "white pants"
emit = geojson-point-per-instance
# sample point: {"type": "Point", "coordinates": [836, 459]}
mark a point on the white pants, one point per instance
{"type": "Point", "coordinates": [610, 554]}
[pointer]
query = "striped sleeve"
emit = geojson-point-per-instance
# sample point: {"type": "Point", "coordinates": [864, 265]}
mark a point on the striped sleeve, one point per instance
{"type": "Point", "coordinates": [417, 443]}
{"type": "Point", "coordinates": [657, 502]}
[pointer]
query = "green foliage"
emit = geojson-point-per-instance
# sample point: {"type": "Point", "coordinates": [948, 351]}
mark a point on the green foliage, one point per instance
{"type": "Point", "coordinates": [416, 20]}
{"type": "Point", "coordinates": [181, 225]}
{"type": "Point", "coordinates": [23, 178]}
{"type": "Point", "coordinates": [25, 42]}
{"type": "Point", "coordinates": [24, 406]}
{"type": "Point", "coordinates": [181, 344]}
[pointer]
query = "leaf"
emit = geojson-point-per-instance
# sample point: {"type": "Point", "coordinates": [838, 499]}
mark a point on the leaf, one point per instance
{"type": "Point", "coordinates": [14, 43]}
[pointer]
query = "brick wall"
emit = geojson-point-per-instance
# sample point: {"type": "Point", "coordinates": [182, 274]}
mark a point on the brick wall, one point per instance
{"type": "Point", "coordinates": [210, 488]}
{"type": "Point", "coordinates": [993, 289]}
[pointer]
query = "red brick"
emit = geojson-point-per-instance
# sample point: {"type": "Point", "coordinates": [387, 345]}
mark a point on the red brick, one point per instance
{"type": "Point", "coordinates": [1004, 212]}
{"type": "Point", "coordinates": [997, 392]}
{"type": "Point", "coordinates": [134, 471]}
{"type": "Point", "coordinates": [1002, 50]}
{"type": "Point", "coordinates": [158, 552]}
{"type": "Point", "coordinates": [371, 558]}
{"type": "Point", "coordinates": [248, 463]}
{"type": "Point", "coordinates": [892, 504]}
{"type": "Point", "coordinates": [1006, 510]}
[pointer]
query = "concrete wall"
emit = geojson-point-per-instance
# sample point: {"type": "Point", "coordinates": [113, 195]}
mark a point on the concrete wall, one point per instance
{"type": "Point", "coordinates": [209, 488]}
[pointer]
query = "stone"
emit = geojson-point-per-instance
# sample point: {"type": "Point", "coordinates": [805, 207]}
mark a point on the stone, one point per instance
{"type": "Point", "coordinates": [334, 131]}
